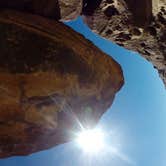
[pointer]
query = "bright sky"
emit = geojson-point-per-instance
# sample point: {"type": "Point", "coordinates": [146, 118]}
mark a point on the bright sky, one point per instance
{"type": "Point", "coordinates": [135, 125]}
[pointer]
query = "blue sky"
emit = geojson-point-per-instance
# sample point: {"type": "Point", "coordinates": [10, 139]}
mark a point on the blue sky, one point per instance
{"type": "Point", "coordinates": [135, 124]}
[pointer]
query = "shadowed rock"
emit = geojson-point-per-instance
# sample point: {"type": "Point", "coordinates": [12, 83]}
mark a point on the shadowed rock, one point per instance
{"type": "Point", "coordinates": [141, 10]}
{"type": "Point", "coordinates": [138, 25]}
{"type": "Point", "coordinates": [52, 82]}
{"type": "Point", "coordinates": [56, 9]}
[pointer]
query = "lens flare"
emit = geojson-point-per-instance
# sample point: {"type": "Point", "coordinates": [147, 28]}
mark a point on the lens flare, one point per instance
{"type": "Point", "coordinates": [91, 141]}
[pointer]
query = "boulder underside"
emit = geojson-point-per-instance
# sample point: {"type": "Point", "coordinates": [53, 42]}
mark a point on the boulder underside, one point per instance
{"type": "Point", "coordinates": [138, 25]}
{"type": "Point", "coordinates": [51, 80]}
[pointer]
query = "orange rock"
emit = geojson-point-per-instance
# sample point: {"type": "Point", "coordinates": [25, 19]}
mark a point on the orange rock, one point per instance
{"type": "Point", "coordinates": [51, 80]}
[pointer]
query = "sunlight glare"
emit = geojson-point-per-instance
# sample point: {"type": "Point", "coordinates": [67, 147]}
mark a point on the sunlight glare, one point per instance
{"type": "Point", "coordinates": [91, 141]}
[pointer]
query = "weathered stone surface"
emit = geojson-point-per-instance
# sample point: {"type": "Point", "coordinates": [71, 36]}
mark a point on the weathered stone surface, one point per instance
{"type": "Point", "coordinates": [56, 9]}
{"type": "Point", "coordinates": [136, 25]}
{"type": "Point", "coordinates": [70, 9]}
{"type": "Point", "coordinates": [51, 78]}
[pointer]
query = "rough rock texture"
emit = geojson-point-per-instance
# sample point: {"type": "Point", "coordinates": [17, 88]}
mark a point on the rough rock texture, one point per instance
{"type": "Point", "coordinates": [135, 25]}
{"type": "Point", "coordinates": [138, 25]}
{"type": "Point", "coordinates": [56, 9]}
{"type": "Point", "coordinates": [51, 80]}
{"type": "Point", "coordinates": [70, 9]}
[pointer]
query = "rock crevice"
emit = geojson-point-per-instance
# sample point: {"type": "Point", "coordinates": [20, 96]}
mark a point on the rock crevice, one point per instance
{"type": "Point", "coordinates": [136, 25]}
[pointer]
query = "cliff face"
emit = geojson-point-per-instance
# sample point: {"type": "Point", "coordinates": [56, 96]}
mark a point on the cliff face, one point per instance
{"type": "Point", "coordinates": [136, 25]}
{"type": "Point", "coordinates": [51, 80]}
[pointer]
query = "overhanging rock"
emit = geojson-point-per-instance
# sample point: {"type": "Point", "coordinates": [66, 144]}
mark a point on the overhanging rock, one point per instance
{"type": "Point", "coordinates": [51, 80]}
{"type": "Point", "coordinates": [55, 9]}
{"type": "Point", "coordinates": [138, 25]}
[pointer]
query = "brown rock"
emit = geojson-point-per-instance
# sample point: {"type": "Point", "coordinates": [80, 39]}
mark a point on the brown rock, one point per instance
{"type": "Point", "coordinates": [51, 80]}
{"type": "Point", "coordinates": [70, 9]}
{"type": "Point", "coordinates": [136, 25]}
{"type": "Point", "coordinates": [141, 11]}
{"type": "Point", "coordinates": [56, 9]}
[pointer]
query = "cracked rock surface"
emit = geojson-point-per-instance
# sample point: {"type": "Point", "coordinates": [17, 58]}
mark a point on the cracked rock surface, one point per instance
{"type": "Point", "coordinates": [136, 25]}
{"type": "Point", "coordinates": [50, 78]}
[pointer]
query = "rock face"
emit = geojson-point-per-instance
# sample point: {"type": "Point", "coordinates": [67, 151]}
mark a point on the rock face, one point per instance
{"type": "Point", "coordinates": [70, 9]}
{"type": "Point", "coordinates": [51, 80]}
{"type": "Point", "coordinates": [56, 9]}
{"type": "Point", "coordinates": [136, 25]}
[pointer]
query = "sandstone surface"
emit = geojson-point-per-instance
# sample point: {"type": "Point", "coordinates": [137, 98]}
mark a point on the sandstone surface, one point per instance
{"type": "Point", "coordinates": [52, 82]}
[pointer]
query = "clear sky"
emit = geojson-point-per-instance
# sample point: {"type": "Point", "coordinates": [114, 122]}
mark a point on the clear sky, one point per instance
{"type": "Point", "coordinates": [135, 125]}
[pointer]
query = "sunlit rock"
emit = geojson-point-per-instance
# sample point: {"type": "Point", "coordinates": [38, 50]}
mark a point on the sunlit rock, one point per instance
{"type": "Point", "coordinates": [52, 82]}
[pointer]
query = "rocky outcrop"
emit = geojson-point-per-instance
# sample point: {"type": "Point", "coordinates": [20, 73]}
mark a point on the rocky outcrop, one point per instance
{"type": "Point", "coordinates": [136, 25]}
{"type": "Point", "coordinates": [52, 82]}
{"type": "Point", "coordinates": [56, 9]}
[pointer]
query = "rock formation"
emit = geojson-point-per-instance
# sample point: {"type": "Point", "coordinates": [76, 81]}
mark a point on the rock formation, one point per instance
{"type": "Point", "coordinates": [138, 25]}
{"type": "Point", "coordinates": [52, 80]}
{"type": "Point", "coordinates": [56, 9]}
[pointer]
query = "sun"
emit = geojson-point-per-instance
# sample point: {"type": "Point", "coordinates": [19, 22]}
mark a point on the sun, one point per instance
{"type": "Point", "coordinates": [91, 141]}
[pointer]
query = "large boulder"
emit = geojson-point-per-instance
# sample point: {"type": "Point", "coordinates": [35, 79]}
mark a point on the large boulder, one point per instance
{"type": "Point", "coordinates": [53, 82]}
